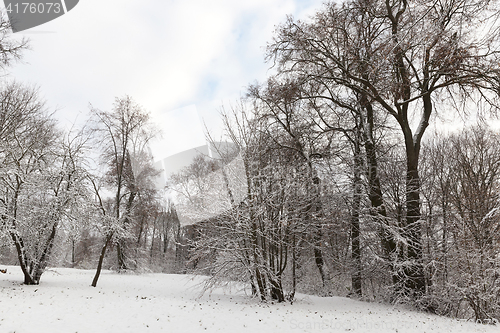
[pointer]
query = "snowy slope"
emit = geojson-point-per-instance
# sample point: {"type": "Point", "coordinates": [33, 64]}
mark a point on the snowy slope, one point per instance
{"type": "Point", "coordinates": [65, 302]}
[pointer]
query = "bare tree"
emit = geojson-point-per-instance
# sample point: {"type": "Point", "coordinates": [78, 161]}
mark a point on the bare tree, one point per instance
{"type": "Point", "coordinates": [461, 173]}
{"type": "Point", "coordinates": [286, 122]}
{"type": "Point", "coordinates": [123, 135]}
{"type": "Point", "coordinates": [41, 177]}
{"type": "Point", "coordinates": [476, 164]}
{"type": "Point", "coordinates": [11, 48]}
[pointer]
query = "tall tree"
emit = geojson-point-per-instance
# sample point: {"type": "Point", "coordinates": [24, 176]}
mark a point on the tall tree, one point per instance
{"type": "Point", "coordinates": [40, 177]}
{"type": "Point", "coordinates": [284, 115]}
{"type": "Point", "coordinates": [123, 135]}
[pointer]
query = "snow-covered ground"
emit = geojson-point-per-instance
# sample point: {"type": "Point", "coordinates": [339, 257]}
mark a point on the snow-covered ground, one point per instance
{"type": "Point", "coordinates": [65, 302]}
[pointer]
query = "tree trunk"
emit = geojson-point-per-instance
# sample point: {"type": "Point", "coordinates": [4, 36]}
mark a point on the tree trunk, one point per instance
{"type": "Point", "coordinates": [18, 242]}
{"type": "Point", "coordinates": [120, 253]}
{"type": "Point", "coordinates": [320, 263]}
{"type": "Point", "coordinates": [444, 205]}
{"type": "Point", "coordinates": [73, 255]}
{"type": "Point", "coordinates": [260, 278]}
{"type": "Point", "coordinates": [164, 232]}
{"type": "Point", "coordinates": [294, 268]}
{"type": "Point", "coordinates": [40, 266]}
{"type": "Point", "coordinates": [121, 246]}
{"type": "Point", "coordinates": [414, 272]}
{"type": "Point", "coordinates": [356, 277]}
{"type": "Point", "coordinates": [101, 259]}
{"type": "Point", "coordinates": [378, 210]}
{"type": "Point", "coordinates": [152, 241]}
{"type": "Point", "coordinates": [277, 290]}
{"type": "Point", "coordinates": [315, 212]}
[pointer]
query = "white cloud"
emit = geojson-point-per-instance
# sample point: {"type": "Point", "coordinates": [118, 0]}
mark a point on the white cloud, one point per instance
{"type": "Point", "coordinates": [182, 127]}
{"type": "Point", "coordinates": [165, 54]}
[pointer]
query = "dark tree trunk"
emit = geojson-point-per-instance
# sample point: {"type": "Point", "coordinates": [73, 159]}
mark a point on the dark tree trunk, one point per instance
{"type": "Point", "coordinates": [152, 241]}
{"type": "Point", "coordinates": [73, 254]}
{"type": "Point", "coordinates": [414, 272]}
{"type": "Point", "coordinates": [121, 246]}
{"type": "Point", "coordinates": [294, 268]}
{"type": "Point", "coordinates": [165, 242]}
{"type": "Point", "coordinates": [18, 242]}
{"type": "Point", "coordinates": [33, 270]}
{"type": "Point", "coordinates": [101, 259]}
{"type": "Point", "coordinates": [315, 212]}
{"type": "Point", "coordinates": [356, 277]}
{"type": "Point", "coordinates": [260, 278]}
{"type": "Point", "coordinates": [277, 290]}
{"type": "Point", "coordinates": [47, 251]}
{"type": "Point", "coordinates": [120, 253]}
{"type": "Point", "coordinates": [378, 210]}
{"type": "Point", "coordinates": [320, 263]}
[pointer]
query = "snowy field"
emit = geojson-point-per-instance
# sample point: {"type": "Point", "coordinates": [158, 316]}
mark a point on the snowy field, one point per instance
{"type": "Point", "coordinates": [65, 302]}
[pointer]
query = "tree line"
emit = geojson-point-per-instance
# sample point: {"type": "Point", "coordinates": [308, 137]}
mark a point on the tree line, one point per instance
{"type": "Point", "coordinates": [68, 196]}
{"type": "Point", "coordinates": [59, 194]}
{"type": "Point", "coordinates": [342, 191]}
{"type": "Point", "coordinates": [332, 187]}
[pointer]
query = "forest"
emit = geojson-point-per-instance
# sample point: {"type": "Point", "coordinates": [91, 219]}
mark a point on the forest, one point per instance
{"type": "Point", "coordinates": [367, 165]}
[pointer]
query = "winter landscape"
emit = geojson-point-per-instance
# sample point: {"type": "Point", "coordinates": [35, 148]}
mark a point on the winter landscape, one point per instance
{"type": "Point", "coordinates": [273, 166]}
{"type": "Point", "coordinates": [65, 302]}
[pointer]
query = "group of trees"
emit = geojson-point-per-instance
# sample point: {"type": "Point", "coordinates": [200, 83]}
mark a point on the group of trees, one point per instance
{"type": "Point", "coordinates": [460, 191]}
{"type": "Point", "coordinates": [57, 191]}
{"type": "Point", "coordinates": [331, 187]}
{"type": "Point", "coordinates": [59, 194]}
{"type": "Point", "coordinates": [338, 175]}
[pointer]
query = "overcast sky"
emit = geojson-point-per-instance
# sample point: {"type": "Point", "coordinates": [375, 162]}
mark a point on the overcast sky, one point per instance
{"type": "Point", "coordinates": [181, 60]}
